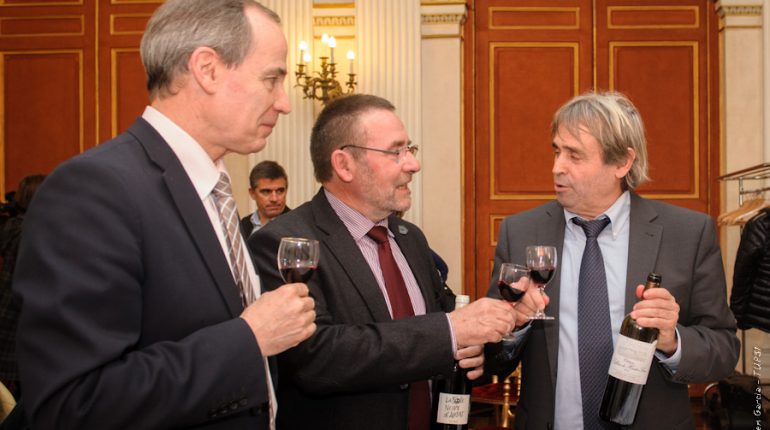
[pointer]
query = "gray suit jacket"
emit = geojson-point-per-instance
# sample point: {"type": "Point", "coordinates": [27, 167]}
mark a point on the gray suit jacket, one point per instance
{"type": "Point", "coordinates": [354, 372]}
{"type": "Point", "coordinates": [677, 243]}
{"type": "Point", "coordinates": [130, 314]}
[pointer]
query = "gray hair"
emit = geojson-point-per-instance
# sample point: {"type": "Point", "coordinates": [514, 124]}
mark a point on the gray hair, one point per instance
{"type": "Point", "coordinates": [178, 27]}
{"type": "Point", "coordinates": [615, 123]}
{"type": "Point", "coordinates": [338, 125]}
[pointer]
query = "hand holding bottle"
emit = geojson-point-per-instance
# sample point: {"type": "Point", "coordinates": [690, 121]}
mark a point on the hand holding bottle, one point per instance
{"type": "Point", "coordinates": [660, 310]}
{"type": "Point", "coordinates": [471, 358]}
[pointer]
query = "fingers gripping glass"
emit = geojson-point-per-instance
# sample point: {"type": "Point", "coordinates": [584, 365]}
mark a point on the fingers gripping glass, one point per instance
{"type": "Point", "coordinates": [400, 153]}
{"type": "Point", "coordinates": [511, 289]}
{"type": "Point", "coordinates": [541, 261]}
{"type": "Point", "coordinates": [297, 258]}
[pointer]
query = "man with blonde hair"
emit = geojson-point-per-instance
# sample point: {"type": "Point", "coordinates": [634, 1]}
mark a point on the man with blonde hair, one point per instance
{"type": "Point", "coordinates": [608, 239]}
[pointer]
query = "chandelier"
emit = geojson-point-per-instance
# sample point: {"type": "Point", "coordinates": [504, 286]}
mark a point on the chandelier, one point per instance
{"type": "Point", "coordinates": [323, 85]}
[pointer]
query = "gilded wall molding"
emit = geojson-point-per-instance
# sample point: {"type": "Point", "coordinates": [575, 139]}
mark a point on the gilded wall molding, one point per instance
{"type": "Point", "coordinates": [739, 10]}
{"type": "Point", "coordinates": [739, 14]}
{"type": "Point", "coordinates": [442, 20]}
{"type": "Point", "coordinates": [334, 21]}
{"type": "Point", "coordinates": [442, 2]}
{"type": "Point", "coordinates": [447, 18]}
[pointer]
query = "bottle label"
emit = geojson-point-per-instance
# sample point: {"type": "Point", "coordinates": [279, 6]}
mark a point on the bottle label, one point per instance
{"type": "Point", "coordinates": [453, 408]}
{"type": "Point", "coordinates": [632, 359]}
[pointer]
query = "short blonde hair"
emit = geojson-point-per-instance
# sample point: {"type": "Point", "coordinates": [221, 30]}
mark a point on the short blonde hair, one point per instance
{"type": "Point", "coordinates": [615, 123]}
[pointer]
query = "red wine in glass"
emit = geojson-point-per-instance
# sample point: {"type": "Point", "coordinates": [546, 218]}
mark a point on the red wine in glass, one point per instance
{"type": "Point", "coordinates": [542, 275]}
{"type": "Point", "coordinates": [509, 293]}
{"type": "Point", "coordinates": [297, 259]}
{"type": "Point", "coordinates": [541, 261]}
{"type": "Point", "coordinates": [297, 274]}
{"type": "Point", "coordinates": [512, 285]}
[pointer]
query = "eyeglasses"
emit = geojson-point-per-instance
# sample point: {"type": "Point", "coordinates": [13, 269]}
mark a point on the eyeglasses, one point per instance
{"type": "Point", "coordinates": [400, 153]}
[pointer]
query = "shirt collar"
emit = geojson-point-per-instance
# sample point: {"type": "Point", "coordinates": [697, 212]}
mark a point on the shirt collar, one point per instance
{"type": "Point", "coordinates": [203, 172]}
{"type": "Point", "coordinates": [357, 224]}
{"type": "Point", "coordinates": [619, 214]}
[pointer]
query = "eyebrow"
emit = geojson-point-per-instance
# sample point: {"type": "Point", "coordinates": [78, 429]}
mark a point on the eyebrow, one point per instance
{"type": "Point", "coordinates": [400, 143]}
{"type": "Point", "coordinates": [281, 71]}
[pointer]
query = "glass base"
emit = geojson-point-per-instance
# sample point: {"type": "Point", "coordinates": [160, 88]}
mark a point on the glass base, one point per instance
{"type": "Point", "coordinates": [540, 316]}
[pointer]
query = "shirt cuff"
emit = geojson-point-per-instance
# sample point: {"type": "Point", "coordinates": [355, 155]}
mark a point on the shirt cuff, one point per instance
{"type": "Point", "coordinates": [452, 335]}
{"type": "Point", "coordinates": [672, 362]}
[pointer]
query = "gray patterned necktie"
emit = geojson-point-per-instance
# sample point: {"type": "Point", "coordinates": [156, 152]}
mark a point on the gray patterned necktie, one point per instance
{"type": "Point", "coordinates": [228, 215]}
{"type": "Point", "coordinates": [594, 326]}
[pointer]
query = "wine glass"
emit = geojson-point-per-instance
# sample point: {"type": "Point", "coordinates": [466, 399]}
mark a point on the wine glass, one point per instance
{"type": "Point", "coordinates": [541, 261]}
{"type": "Point", "coordinates": [510, 285]}
{"type": "Point", "coordinates": [297, 258]}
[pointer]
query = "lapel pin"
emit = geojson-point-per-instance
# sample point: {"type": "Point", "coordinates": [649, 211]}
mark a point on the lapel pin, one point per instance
{"type": "Point", "coordinates": [402, 229]}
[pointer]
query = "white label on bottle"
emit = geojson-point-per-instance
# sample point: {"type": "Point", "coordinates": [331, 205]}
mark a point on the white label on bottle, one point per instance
{"type": "Point", "coordinates": [631, 360]}
{"type": "Point", "coordinates": [453, 408]}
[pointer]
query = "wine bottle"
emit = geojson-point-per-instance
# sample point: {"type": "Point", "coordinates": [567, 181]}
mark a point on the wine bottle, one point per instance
{"type": "Point", "coordinates": [453, 403]}
{"type": "Point", "coordinates": [629, 367]}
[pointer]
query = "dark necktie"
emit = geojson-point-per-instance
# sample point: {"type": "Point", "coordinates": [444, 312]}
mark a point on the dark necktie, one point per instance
{"type": "Point", "coordinates": [401, 306]}
{"type": "Point", "coordinates": [594, 327]}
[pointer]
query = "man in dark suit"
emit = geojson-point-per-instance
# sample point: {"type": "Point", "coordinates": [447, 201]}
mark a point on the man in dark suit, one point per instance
{"type": "Point", "coordinates": [369, 363]}
{"type": "Point", "coordinates": [268, 185]}
{"type": "Point", "coordinates": [138, 307]}
{"type": "Point", "coordinates": [600, 156]}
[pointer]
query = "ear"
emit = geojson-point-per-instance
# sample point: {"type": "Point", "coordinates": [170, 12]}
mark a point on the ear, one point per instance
{"type": "Point", "coordinates": [343, 165]}
{"type": "Point", "coordinates": [204, 66]}
{"type": "Point", "coordinates": [623, 168]}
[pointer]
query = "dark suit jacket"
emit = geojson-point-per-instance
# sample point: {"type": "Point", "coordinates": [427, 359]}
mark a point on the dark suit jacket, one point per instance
{"type": "Point", "coordinates": [679, 244]}
{"type": "Point", "coordinates": [247, 226]}
{"type": "Point", "coordinates": [354, 372]}
{"type": "Point", "coordinates": [130, 309]}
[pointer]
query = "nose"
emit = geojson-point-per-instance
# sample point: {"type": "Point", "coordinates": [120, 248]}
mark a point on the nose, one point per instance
{"type": "Point", "coordinates": [410, 163]}
{"type": "Point", "coordinates": [282, 103]}
{"type": "Point", "coordinates": [558, 165]}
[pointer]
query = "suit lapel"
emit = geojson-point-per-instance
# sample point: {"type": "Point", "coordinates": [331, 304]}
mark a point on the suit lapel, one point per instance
{"type": "Point", "coordinates": [643, 246]}
{"type": "Point", "coordinates": [551, 232]}
{"type": "Point", "coordinates": [191, 211]}
{"type": "Point", "coordinates": [339, 245]}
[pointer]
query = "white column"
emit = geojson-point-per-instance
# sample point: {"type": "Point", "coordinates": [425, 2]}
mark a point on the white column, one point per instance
{"type": "Point", "coordinates": [289, 144]}
{"type": "Point", "coordinates": [388, 55]}
{"type": "Point", "coordinates": [742, 104]}
{"type": "Point", "coordinates": [441, 142]}
{"type": "Point", "coordinates": [741, 49]}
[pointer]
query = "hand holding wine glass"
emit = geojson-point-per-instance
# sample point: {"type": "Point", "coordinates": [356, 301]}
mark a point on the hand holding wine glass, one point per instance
{"type": "Point", "coordinates": [512, 286]}
{"type": "Point", "coordinates": [297, 258]}
{"type": "Point", "coordinates": [541, 261]}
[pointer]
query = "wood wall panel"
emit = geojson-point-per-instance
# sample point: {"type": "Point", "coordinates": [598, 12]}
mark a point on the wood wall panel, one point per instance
{"type": "Point", "coordinates": [669, 73]}
{"type": "Point", "coordinates": [43, 121]}
{"type": "Point", "coordinates": [121, 72]}
{"type": "Point", "coordinates": [48, 92]}
{"type": "Point", "coordinates": [128, 83]}
{"type": "Point", "coordinates": [516, 150]}
{"type": "Point", "coordinates": [63, 25]}
{"type": "Point", "coordinates": [526, 60]}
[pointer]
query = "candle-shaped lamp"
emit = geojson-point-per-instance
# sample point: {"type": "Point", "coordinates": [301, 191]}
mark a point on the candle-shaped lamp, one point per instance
{"type": "Point", "coordinates": [351, 57]}
{"type": "Point", "coordinates": [332, 45]}
{"type": "Point", "coordinates": [302, 50]}
{"type": "Point", "coordinates": [306, 57]}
